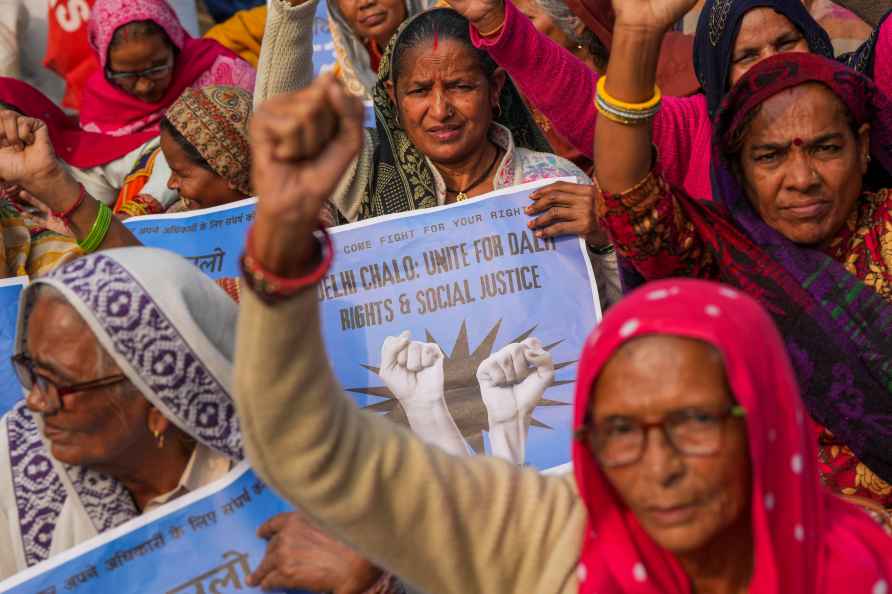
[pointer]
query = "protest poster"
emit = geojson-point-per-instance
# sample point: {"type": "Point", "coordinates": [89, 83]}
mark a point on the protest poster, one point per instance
{"type": "Point", "coordinates": [10, 388]}
{"type": "Point", "coordinates": [473, 279]}
{"type": "Point", "coordinates": [469, 277]}
{"type": "Point", "coordinates": [201, 543]}
{"type": "Point", "coordinates": [212, 238]}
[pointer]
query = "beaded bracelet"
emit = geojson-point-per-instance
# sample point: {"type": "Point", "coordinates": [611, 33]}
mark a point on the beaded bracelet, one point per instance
{"type": "Point", "coordinates": [98, 231]}
{"type": "Point", "coordinates": [271, 287]}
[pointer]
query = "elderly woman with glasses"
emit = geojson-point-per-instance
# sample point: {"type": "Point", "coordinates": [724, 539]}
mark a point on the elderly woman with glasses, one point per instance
{"type": "Point", "coordinates": [128, 407]}
{"type": "Point", "coordinates": [147, 60]}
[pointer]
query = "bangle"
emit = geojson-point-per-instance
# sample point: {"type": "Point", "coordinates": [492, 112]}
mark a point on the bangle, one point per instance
{"type": "Point", "coordinates": [601, 250]}
{"type": "Point", "coordinates": [66, 214]}
{"type": "Point", "coordinates": [98, 231]}
{"type": "Point", "coordinates": [271, 287]}
{"type": "Point", "coordinates": [622, 105]}
{"type": "Point", "coordinates": [621, 112]}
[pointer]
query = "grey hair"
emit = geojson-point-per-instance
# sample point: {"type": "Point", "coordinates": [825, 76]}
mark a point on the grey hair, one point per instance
{"type": "Point", "coordinates": [569, 24]}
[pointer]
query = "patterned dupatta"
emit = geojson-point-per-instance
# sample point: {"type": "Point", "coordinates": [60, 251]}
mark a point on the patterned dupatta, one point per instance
{"type": "Point", "coordinates": [838, 330]}
{"type": "Point", "coordinates": [171, 332]}
{"type": "Point", "coordinates": [401, 178]}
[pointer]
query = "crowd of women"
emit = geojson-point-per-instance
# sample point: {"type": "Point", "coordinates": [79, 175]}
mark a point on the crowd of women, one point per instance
{"type": "Point", "coordinates": [733, 409]}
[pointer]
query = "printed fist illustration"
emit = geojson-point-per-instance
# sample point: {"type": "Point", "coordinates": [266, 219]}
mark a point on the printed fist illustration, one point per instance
{"type": "Point", "coordinates": [513, 380]}
{"type": "Point", "coordinates": [412, 370]}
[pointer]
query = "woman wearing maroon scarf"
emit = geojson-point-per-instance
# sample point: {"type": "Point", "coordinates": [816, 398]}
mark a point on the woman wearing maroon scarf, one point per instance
{"type": "Point", "coordinates": [792, 226]}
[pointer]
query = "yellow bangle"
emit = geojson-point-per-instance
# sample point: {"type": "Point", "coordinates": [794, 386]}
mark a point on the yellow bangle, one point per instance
{"type": "Point", "coordinates": [614, 102]}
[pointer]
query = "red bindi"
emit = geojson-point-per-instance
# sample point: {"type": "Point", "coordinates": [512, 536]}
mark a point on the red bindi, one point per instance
{"type": "Point", "coordinates": [436, 39]}
{"type": "Point", "coordinates": [797, 141]}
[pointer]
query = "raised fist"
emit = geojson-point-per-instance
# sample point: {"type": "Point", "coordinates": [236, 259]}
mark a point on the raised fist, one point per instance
{"type": "Point", "coordinates": [513, 380]}
{"type": "Point", "coordinates": [412, 370]}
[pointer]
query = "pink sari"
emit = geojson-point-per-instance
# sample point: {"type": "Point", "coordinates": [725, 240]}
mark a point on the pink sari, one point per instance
{"type": "Point", "coordinates": [200, 62]}
{"type": "Point", "coordinates": [807, 541]}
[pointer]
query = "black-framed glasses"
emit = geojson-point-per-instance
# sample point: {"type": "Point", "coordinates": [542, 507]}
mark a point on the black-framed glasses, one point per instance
{"type": "Point", "coordinates": [621, 441]}
{"type": "Point", "coordinates": [130, 78]}
{"type": "Point", "coordinates": [26, 371]}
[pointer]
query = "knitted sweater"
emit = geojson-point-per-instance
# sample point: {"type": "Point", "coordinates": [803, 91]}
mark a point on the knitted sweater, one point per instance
{"type": "Point", "coordinates": [682, 130]}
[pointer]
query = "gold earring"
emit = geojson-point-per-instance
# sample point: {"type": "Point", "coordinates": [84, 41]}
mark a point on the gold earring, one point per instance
{"type": "Point", "coordinates": [160, 438]}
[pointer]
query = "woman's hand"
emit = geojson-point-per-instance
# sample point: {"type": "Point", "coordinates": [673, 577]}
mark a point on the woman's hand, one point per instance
{"type": "Point", "coordinates": [301, 143]}
{"type": "Point", "coordinates": [566, 209]}
{"type": "Point", "coordinates": [655, 16]}
{"type": "Point", "coordinates": [301, 557]}
{"type": "Point", "coordinates": [27, 158]}
{"type": "Point", "coordinates": [485, 15]}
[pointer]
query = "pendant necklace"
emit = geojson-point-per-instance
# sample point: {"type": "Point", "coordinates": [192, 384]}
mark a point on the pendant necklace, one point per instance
{"type": "Point", "coordinates": [462, 195]}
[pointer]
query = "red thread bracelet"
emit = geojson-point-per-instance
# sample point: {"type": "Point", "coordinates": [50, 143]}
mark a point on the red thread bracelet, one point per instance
{"type": "Point", "coordinates": [66, 214]}
{"type": "Point", "coordinates": [272, 285]}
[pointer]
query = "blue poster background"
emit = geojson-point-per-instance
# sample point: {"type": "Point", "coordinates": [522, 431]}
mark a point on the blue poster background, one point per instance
{"type": "Point", "coordinates": [207, 537]}
{"type": "Point", "coordinates": [561, 312]}
{"type": "Point", "coordinates": [10, 388]}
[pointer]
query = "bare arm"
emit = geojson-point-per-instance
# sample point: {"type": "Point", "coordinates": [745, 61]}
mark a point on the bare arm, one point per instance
{"type": "Point", "coordinates": [27, 159]}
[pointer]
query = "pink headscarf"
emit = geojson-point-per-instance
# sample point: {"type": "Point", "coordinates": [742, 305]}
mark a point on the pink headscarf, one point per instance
{"type": "Point", "coordinates": [199, 63]}
{"type": "Point", "coordinates": [807, 541]}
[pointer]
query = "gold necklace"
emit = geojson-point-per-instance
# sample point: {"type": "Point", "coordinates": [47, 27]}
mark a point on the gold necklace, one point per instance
{"type": "Point", "coordinates": [462, 195]}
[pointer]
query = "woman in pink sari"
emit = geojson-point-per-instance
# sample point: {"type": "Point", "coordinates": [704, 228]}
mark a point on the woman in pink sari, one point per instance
{"type": "Point", "coordinates": [147, 60]}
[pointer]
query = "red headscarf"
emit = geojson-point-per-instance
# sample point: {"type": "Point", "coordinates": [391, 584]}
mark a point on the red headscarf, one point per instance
{"type": "Point", "coordinates": [806, 540]}
{"type": "Point", "coordinates": [108, 109]}
{"type": "Point", "coordinates": [675, 71]}
{"type": "Point", "coordinates": [73, 145]}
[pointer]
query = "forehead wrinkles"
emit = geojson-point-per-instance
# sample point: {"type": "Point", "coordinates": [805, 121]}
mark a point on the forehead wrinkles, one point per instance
{"type": "Point", "coordinates": [450, 59]}
{"type": "Point", "coordinates": [804, 111]}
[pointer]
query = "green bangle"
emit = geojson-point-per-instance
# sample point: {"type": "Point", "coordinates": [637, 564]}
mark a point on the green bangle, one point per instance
{"type": "Point", "coordinates": [98, 231]}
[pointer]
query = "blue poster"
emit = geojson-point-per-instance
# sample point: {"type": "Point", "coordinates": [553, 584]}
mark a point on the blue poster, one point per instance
{"type": "Point", "coordinates": [202, 543]}
{"type": "Point", "coordinates": [10, 388]}
{"type": "Point", "coordinates": [213, 238]}
{"type": "Point", "coordinates": [469, 278]}
{"type": "Point", "coordinates": [476, 291]}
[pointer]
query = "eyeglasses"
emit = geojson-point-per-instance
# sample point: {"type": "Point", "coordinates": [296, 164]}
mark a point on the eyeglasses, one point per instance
{"type": "Point", "coordinates": [621, 441]}
{"type": "Point", "coordinates": [129, 79]}
{"type": "Point", "coordinates": [26, 371]}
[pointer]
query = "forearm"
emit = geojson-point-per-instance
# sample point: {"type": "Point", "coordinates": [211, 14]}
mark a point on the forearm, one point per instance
{"type": "Point", "coordinates": [63, 193]}
{"type": "Point", "coordinates": [286, 55]}
{"type": "Point", "coordinates": [623, 152]}
{"type": "Point", "coordinates": [552, 79]}
{"type": "Point", "coordinates": [433, 423]}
